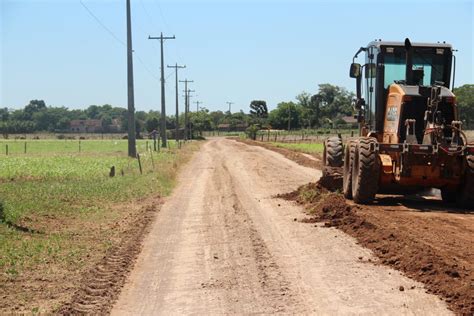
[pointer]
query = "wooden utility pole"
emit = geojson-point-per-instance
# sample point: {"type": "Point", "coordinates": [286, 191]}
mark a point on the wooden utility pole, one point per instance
{"type": "Point", "coordinates": [188, 96]}
{"type": "Point", "coordinates": [230, 106]}
{"type": "Point", "coordinates": [197, 105]}
{"type": "Point", "coordinates": [176, 67]}
{"type": "Point", "coordinates": [289, 117]}
{"type": "Point", "coordinates": [132, 150]}
{"type": "Point", "coordinates": [163, 106]}
{"type": "Point", "coordinates": [230, 112]}
{"type": "Point", "coordinates": [186, 106]}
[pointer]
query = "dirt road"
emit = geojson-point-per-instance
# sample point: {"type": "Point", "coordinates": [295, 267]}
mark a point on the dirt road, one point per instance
{"type": "Point", "coordinates": [222, 244]}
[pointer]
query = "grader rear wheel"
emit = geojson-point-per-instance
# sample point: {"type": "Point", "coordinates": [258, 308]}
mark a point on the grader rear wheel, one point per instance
{"type": "Point", "coordinates": [332, 156]}
{"type": "Point", "coordinates": [465, 197]}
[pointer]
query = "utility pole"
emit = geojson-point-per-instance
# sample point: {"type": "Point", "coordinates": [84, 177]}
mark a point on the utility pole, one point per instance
{"type": "Point", "coordinates": [230, 106]}
{"type": "Point", "coordinates": [163, 107]}
{"type": "Point", "coordinates": [186, 106]}
{"type": "Point", "coordinates": [197, 105]}
{"type": "Point", "coordinates": [176, 67]}
{"type": "Point", "coordinates": [188, 96]}
{"type": "Point", "coordinates": [132, 150]}
{"type": "Point", "coordinates": [230, 113]}
{"type": "Point", "coordinates": [289, 117]}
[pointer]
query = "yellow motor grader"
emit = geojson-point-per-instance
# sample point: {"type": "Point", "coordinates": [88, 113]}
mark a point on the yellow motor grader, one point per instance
{"type": "Point", "coordinates": [410, 134]}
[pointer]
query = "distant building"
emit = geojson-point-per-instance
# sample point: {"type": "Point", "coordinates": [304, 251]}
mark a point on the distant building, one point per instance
{"type": "Point", "coordinates": [349, 119]}
{"type": "Point", "coordinates": [223, 127]}
{"type": "Point", "coordinates": [86, 126]}
{"type": "Point", "coordinates": [234, 128]}
{"type": "Point", "coordinates": [115, 127]}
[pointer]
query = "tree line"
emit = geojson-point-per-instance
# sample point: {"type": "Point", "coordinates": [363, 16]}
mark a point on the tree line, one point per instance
{"type": "Point", "coordinates": [327, 108]}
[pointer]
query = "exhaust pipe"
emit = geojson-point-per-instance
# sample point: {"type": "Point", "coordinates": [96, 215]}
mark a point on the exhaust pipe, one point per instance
{"type": "Point", "coordinates": [409, 60]}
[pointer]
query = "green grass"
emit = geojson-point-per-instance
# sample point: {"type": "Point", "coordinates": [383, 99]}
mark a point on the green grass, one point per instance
{"type": "Point", "coordinates": [54, 198]}
{"type": "Point", "coordinates": [309, 148]}
{"type": "Point", "coordinates": [40, 146]}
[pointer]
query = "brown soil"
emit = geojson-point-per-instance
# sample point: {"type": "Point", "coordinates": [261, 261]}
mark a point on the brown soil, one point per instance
{"type": "Point", "coordinates": [100, 287]}
{"type": "Point", "coordinates": [297, 157]}
{"type": "Point", "coordinates": [436, 248]}
{"type": "Point", "coordinates": [220, 245]}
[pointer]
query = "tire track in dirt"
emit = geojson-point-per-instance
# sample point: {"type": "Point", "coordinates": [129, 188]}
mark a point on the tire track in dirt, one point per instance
{"type": "Point", "coordinates": [101, 286]}
{"type": "Point", "coordinates": [246, 254]}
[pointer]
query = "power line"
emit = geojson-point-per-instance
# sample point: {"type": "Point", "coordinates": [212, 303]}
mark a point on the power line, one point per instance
{"type": "Point", "coordinates": [167, 27]}
{"type": "Point", "coordinates": [140, 60]}
{"type": "Point", "coordinates": [146, 67]}
{"type": "Point", "coordinates": [102, 24]}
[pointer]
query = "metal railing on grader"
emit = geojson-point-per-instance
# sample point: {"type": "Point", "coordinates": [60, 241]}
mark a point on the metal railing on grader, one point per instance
{"type": "Point", "coordinates": [410, 135]}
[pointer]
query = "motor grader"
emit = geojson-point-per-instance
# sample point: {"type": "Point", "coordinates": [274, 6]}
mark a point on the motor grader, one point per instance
{"type": "Point", "coordinates": [410, 133]}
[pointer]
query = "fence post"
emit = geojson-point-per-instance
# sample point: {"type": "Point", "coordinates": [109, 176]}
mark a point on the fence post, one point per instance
{"type": "Point", "coordinates": [79, 145]}
{"type": "Point", "coordinates": [139, 163]}
{"type": "Point", "coordinates": [25, 147]}
{"type": "Point", "coordinates": [6, 149]}
{"type": "Point", "coordinates": [152, 161]}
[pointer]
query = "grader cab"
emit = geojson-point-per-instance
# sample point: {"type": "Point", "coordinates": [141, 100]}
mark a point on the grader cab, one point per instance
{"type": "Point", "coordinates": [410, 134]}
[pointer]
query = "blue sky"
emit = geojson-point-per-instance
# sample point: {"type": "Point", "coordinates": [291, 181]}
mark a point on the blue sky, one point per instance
{"type": "Point", "coordinates": [234, 50]}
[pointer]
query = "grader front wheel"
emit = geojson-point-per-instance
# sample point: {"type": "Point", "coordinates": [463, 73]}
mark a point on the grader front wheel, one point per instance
{"type": "Point", "coordinates": [349, 153]}
{"type": "Point", "coordinates": [365, 171]}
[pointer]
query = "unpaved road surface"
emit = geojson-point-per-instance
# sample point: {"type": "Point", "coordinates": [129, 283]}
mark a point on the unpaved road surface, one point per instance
{"type": "Point", "coordinates": [222, 244]}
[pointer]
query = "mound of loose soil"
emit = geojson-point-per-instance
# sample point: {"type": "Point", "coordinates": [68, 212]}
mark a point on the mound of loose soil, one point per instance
{"type": "Point", "coordinates": [425, 249]}
{"type": "Point", "coordinates": [297, 157]}
{"type": "Point", "coordinates": [331, 179]}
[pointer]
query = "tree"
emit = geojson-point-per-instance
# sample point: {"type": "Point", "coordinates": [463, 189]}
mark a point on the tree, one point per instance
{"type": "Point", "coordinates": [217, 118]}
{"type": "Point", "coordinates": [201, 120]}
{"type": "Point", "coordinates": [330, 103]}
{"type": "Point", "coordinates": [4, 114]}
{"type": "Point", "coordinates": [278, 118]}
{"type": "Point", "coordinates": [258, 109]}
{"type": "Point", "coordinates": [152, 123]}
{"type": "Point", "coordinates": [33, 107]}
{"type": "Point", "coordinates": [465, 102]}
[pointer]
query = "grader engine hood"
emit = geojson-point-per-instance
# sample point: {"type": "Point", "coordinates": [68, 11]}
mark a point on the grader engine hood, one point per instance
{"type": "Point", "coordinates": [405, 102]}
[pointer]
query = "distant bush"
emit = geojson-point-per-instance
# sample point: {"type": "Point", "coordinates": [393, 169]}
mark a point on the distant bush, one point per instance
{"type": "Point", "coordinates": [2, 211]}
{"type": "Point", "coordinates": [251, 131]}
{"type": "Point", "coordinates": [60, 136]}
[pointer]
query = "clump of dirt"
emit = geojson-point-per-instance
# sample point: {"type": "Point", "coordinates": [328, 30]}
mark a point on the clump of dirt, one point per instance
{"type": "Point", "coordinates": [100, 287]}
{"type": "Point", "coordinates": [297, 157]}
{"type": "Point", "coordinates": [399, 241]}
{"type": "Point", "coordinates": [331, 179]}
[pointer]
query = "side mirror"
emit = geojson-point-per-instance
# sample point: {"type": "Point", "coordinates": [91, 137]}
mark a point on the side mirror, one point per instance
{"type": "Point", "coordinates": [355, 70]}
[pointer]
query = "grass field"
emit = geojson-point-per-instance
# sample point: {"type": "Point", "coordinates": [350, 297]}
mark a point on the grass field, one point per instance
{"type": "Point", "coordinates": [57, 205]}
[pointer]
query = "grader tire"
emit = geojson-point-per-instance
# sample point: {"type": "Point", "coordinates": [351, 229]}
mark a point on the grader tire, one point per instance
{"type": "Point", "coordinates": [349, 152]}
{"type": "Point", "coordinates": [333, 151]}
{"type": "Point", "coordinates": [365, 172]}
{"type": "Point", "coordinates": [448, 196]}
{"type": "Point", "coordinates": [465, 196]}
